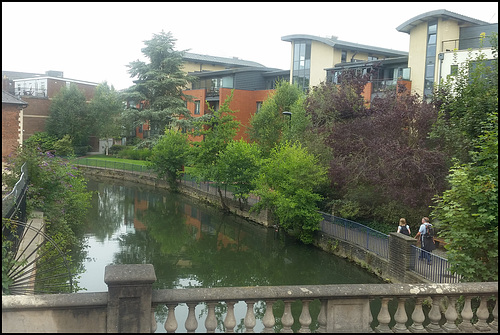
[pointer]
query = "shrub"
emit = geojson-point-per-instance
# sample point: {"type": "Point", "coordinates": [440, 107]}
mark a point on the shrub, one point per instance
{"type": "Point", "coordinates": [116, 148]}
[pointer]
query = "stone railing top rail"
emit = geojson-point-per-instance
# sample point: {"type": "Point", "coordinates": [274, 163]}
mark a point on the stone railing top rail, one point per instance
{"type": "Point", "coordinates": [320, 291]}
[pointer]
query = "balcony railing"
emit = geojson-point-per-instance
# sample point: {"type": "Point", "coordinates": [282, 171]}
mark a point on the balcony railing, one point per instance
{"type": "Point", "coordinates": [39, 93]}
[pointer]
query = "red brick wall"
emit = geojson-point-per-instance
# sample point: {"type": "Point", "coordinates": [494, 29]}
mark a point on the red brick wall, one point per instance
{"type": "Point", "coordinates": [35, 115]}
{"type": "Point", "coordinates": [10, 129]}
{"type": "Point", "coordinates": [244, 104]}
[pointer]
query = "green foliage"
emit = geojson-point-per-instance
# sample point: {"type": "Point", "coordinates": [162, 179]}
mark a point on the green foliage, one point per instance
{"type": "Point", "coordinates": [238, 166]}
{"type": "Point", "coordinates": [269, 126]}
{"type": "Point", "coordinates": [464, 102]}
{"type": "Point", "coordinates": [59, 190]}
{"type": "Point", "coordinates": [286, 184]}
{"type": "Point", "coordinates": [130, 152]}
{"type": "Point", "coordinates": [116, 148]}
{"type": "Point", "coordinates": [105, 109]}
{"type": "Point", "coordinates": [69, 115]}
{"type": "Point", "coordinates": [64, 147]}
{"type": "Point", "coordinates": [159, 85]}
{"type": "Point", "coordinates": [468, 211]}
{"type": "Point", "coordinates": [41, 140]}
{"type": "Point", "coordinates": [169, 155]}
{"type": "Point", "coordinates": [218, 130]}
{"type": "Point", "coordinates": [9, 235]}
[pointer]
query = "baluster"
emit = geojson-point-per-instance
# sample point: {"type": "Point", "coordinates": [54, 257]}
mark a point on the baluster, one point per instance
{"type": "Point", "coordinates": [211, 321]}
{"type": "Point", "coordinates": [305, 317]}
{"type": "Point", "coordinates": [434, 317]}
{"type": "Point", "coordinates": [191, 322]}
{"type": "Point", "coordinates": [418, 317]}
{"type": "Point", "coordinates": [268, 319]}
{"type": "Point", "coordinates": [230, 321]}
{"type": "Point", "coordinates": [249, 318]}
{"type": "Point", "coordinates": [494, 324]}
{"type": "Point", "coordinates": [322, 317]}
{"type": "Point", "coordinates": [400, 317]}
{"type": "Point", "coordinates": [153, 320]}
{"type": "Point", "coordinates": [171, 323]}
{"type": "Point", "coordinates": [482, 315]}
{"type": "Point", "coordinates": [467, 314]}
{"type": "Point", "coordinates": [287, 318]}
{"type": "Point", "coordinates": [451, 316]}
{"type": "Point", "coordinates": [384, 317]}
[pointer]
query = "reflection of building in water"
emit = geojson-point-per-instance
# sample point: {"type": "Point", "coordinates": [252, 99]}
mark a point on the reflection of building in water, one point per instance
{"type": "Point", "coordinates": [202, 223]}
{"type": "Point", "coordinates": [140, 205]}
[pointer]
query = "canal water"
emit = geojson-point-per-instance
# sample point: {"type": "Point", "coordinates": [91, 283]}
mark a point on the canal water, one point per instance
{"type": "Point", "coordinates": [193, 245]}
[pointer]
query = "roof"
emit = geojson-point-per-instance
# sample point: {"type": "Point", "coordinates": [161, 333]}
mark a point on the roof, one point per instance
{"type": "Point", "coordinates": [57, 78]}
{"type": "Point", "coordinates": [336, 43]}
{"type": "Point", "coordinates": [8, 98]}
{"type": "Point", "coordinates": [264, 70]}
{"type": "Point", "coordinates": [219, 60]}
{"type": "Point", "coordinates": [12, 75]}
{"type": "Point", "coordinates": [407, 26]}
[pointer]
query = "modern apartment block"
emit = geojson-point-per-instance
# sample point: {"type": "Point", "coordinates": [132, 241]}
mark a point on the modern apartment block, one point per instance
{"type": "Point", "coordinates": [435, 37]}
{"type": "Point", "coordinates": [311, 56]}
{"type": "Point", "coordinates": [216, 77]}
{"type": "Point", "coordinates": [251, 86]}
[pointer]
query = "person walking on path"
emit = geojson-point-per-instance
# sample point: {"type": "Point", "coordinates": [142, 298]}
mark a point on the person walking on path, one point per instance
{"type": "Point", "coordinates": [403, 228]}
{"type": "Point", "coordinates": [425, 233]}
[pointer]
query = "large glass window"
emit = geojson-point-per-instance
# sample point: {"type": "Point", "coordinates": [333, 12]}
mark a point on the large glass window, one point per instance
{"type": "Point", "coordinates": [301, 64]}
{"type": "Point", "coordinates": [430, 59]}
{"type": "Point", "coordinates": [197, 107]}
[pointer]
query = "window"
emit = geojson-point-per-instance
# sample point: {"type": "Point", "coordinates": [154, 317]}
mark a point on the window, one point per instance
{"type": "Point", "coordinates": [301, 64]}
{"type": "Point", "coordinates": [453, 70]}
{"type": "Point", "coordinates": [343, 59]}
{"type": "Point", "coordinates": [372, 57]}
{"type": "Point", "coordinates": [259, 106]}
{"type": "Point", "coordinates": [197, 107]}
{"type": "Point", "coordinates": [430, 59]}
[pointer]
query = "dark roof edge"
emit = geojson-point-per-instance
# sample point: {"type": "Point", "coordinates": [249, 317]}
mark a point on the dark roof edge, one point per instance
{"type": "Point", "coordinates": [407, 26]}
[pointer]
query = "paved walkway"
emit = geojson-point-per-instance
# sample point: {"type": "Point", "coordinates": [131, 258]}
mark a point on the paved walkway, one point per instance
{"type": "Point", "coordinates": [31, 240]}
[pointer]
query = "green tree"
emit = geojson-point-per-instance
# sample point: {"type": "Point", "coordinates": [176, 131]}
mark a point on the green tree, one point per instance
{"type": "Point", "coordinates": [465, 100]}
{"type": "Point", "coordinates": [159, 84]}
{"type": "Point", "coordinates": [69, 115]}
{"type": "Point", "coordinates": [286, 185]}
{"type": "Point", "coordinates": [169, 156]}
{"type": "Point", "coordinates": [270, 126]}
{"type": "Point", "coordinates": [468, 211]}
{"type": "Point", "coordinates": [106, 108]}
{"type": "Point", "coordinates": [238, 166]}
{"type": "Point", "coordinates": [42, 140]}
{"type": "Point", "coordinates": [218, 130]}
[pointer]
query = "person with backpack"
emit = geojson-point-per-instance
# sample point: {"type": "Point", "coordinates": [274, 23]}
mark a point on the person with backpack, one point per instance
{"type": "Point", "coordinates": [403, 228]}
{"type": "Point", "coordinates": [426, 234]}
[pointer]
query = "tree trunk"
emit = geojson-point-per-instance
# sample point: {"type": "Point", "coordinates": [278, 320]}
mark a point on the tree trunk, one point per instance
{"type": "Point", "coordinates": [225, 208]}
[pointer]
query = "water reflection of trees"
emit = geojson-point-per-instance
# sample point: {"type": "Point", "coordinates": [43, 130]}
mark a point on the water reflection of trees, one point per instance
{"type": "Point", "coordinates": [190, 243]}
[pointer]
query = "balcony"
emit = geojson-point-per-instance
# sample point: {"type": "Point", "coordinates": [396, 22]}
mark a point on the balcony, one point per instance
{"type": "Point", "coordinates": [25, 92]}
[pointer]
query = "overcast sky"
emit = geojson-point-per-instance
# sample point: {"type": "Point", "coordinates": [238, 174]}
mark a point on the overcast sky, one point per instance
{"type": "Point", "coordinates": [95, 41]}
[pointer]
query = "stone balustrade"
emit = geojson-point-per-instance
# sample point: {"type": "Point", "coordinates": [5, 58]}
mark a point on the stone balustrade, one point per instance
{"type": "Point", "coordinates": [130, 302]}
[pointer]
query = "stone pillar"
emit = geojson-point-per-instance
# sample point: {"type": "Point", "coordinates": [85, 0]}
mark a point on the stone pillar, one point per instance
{"type": "Point", "coordinates": [399, 256]}
{"type": "Point", "coordinates": [130, 288]}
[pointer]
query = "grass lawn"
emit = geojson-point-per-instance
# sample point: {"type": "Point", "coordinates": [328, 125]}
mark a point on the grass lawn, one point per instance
{"type": "Point", "coordinates": [109, 159]}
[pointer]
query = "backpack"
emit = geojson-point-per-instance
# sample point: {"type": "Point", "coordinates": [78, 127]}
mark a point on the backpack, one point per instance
{"type": "Point", "coordinates": [404, 230]}
{"type": "Point", "coordinates": [429, 231]}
